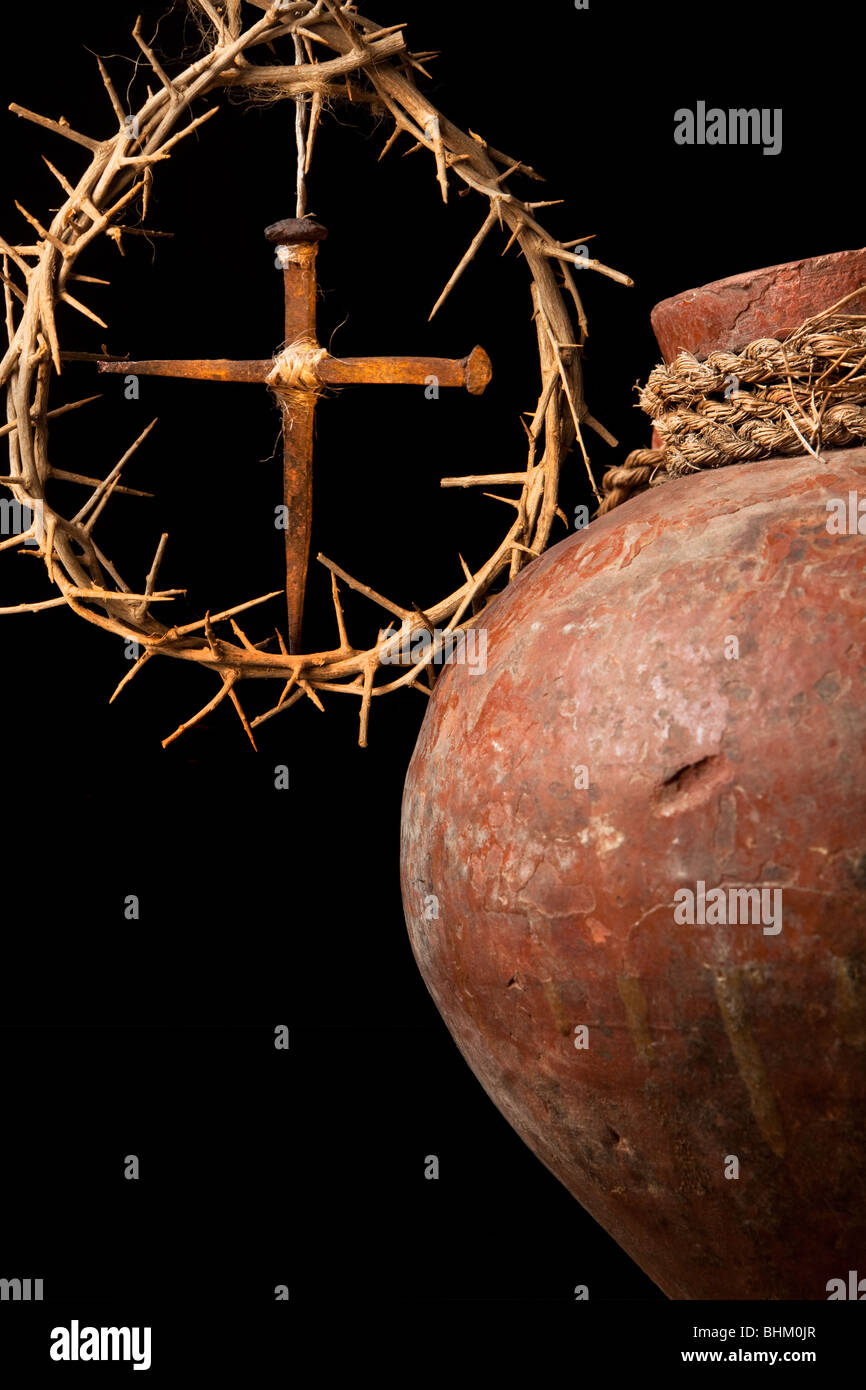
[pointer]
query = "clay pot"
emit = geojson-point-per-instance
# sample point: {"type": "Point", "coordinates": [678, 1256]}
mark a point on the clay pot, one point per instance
{"type": "Point", "coordinates": [727, 314]}
{"type": "Point", "coordinates": [673, 703]}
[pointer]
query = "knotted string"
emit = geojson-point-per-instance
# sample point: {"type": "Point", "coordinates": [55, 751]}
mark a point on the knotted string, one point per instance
{"type": "Point", "coordinates": [294, 377]}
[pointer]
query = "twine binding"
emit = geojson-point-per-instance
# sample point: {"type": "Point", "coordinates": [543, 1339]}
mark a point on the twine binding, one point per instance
{"type": "Point", "coordinates": [791, 397]}
{"type": "Point", "coordinates": [294, 372]}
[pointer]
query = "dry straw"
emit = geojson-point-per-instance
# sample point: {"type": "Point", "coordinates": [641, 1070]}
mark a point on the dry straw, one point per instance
{"type": "Point", "coordinates": [370, 65]}
{"type": "Point", "coordinates": [803, 394]}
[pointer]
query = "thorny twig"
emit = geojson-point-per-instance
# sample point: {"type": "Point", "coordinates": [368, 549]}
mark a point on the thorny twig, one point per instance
{"type": "Point", "coordinates": [373, 65]}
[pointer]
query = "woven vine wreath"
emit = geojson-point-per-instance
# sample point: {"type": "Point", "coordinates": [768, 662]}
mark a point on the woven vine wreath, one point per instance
{"type": "Point", "coordinates": [372, 66]}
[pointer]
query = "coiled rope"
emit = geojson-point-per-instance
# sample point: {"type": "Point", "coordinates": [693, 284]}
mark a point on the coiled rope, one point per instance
{"type": "Point", "coordinates": [800, 395]}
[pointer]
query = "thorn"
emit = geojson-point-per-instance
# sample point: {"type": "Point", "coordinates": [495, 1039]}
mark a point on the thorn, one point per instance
{"type": "Point", "coordinates": [114, 98]}
{"type": "Point", "coordinates": [238, 631]}
{"type": "Point", "coordinates": [473, 248]}
{"type": "Point", "coordinates": [496, 497]}
{"type": "Point", "coordinates": [52, 240]}
{"type": "Point", "coordinates": [82, 309]}
{"type": "Point", "coordinates": [227, 684]}
{"type": "Point", "coordinates": [311, 694]}
{"type": "Point", "coordinates": [389, 143]}
{"type": "Point", "coordinates": [60, 127]}
{"type": "Point", "coordinates": [433, 133]}
{"type": "Point", "coordinates": [130, 675]}
{"type": "Point", "coordinates": [237, 704]}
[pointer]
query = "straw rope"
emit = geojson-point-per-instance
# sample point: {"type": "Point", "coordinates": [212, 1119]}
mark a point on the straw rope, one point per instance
{"type": "Point", "coordinates": [791, 397]}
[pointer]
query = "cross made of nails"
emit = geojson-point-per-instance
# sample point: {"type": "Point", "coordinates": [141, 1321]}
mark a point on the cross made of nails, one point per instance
{"type": "Point", "coordinates": [297, 376]}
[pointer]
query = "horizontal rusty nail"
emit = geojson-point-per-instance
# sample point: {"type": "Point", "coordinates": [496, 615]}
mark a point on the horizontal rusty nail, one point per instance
{"type": "Point", "coordinates": [196, 369]}
{"type": "Point", "coordinates": [473, 372]}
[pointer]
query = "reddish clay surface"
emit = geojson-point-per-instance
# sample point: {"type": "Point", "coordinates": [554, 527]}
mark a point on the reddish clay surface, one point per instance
{"type": "Point", "coordinates": [728, 314]}
{"type": "Point", "coordinates": [556, 901]}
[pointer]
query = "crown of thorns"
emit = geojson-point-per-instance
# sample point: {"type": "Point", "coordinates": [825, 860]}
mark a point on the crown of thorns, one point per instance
{"type": "Point", "coordinates": [372, 66]}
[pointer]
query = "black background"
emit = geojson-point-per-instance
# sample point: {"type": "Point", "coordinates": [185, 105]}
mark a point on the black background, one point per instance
{"type": "Point", "coordinates": [262, 907]}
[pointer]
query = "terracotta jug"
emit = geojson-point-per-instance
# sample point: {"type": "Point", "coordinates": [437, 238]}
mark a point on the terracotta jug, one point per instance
{"type": "Point", "coordinates": [644, 832]}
